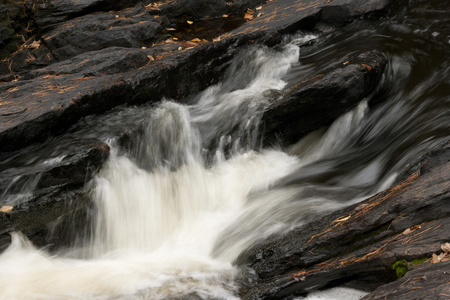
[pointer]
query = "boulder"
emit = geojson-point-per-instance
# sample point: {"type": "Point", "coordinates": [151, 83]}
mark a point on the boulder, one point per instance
{"type": "Point", "coordinates": [48, 13]}
{"type": "Point", "coordinates": [58, 193]}
{"type": "Point", "coordinates": [425, 282]}
{"type": "Point", "coordinates": [101, 30]}
{"type": "Point", "coordinates": [318, 101]}
{"type": "Point", "coordinates": [358, 246]}
{"type": "Point", "coordinates": [48, 104]}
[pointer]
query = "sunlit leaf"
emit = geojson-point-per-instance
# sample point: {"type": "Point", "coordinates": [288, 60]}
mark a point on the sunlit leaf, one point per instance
{"type": "Point", "coordinates": [6, 209]}
{"type": "Point", "coordinates": [369, 68]}
{"type": "Point", "coordinates": [248, 16]}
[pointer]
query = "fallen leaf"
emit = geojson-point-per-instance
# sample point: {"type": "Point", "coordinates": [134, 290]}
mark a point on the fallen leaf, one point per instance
{"type": "Point", "coordinates": [249, 11]}
{"type": "Point", "coordinates": [204, 41]}
{"type": "Point", "coordinates": [116, 16]}
{"type": "Point", "coordinates": [438, 258]}
{"type": "Point", "coordinates": [346, 63]}
{"type": "Point", "coordinates": [224, 16]}
{"type": "Point", "coordinates": [180, 48]}
{"type": "Point", "coordinates": [143, 48]}
{"type": "Point", "coordinates": [259, 8]}
{"type": "Point", "coordinates": [415, 227]}
{"type": "Point", "coordinates": [190, 22]}
{"type": "Point", "coordinates": [342, 219]}
{"type": "Point", "coordinates": [6, 209]}
{"type": "Point", "coordinates": [248, 16]}
{"type": "Point", "coordinates": [171, 29]}
{"type": "Point", "coordinates": [35, 45]}
{"type": "Point", "coordinates": [446, 248]}
{"type": "Point", "coordinates": [369, 68]}
{"type": "Point", "coordinates": [259, 15]}
{"type": "Point", "coordinates": [407, 231]}
{"type": "Point", "coordinates": [175, 39]}
{"type": "Point", "coordinates": [151, 58]}
{"type": "Point", "coordinates": [197, 40]}
{"type": "Point", "coordinates": [329, 1]}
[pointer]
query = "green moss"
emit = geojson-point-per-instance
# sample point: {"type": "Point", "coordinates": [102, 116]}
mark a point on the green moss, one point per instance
{"type": "Point", "coordinates": [418, 261]}
{"type": "Point", "coordinates": [400, 268]}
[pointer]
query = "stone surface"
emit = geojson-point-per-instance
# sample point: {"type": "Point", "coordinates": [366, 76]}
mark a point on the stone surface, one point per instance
{"type": "Point", "coordinates": [48, 13]}
{"type": "Point", "coordinates": [41, 97]}
{"type": "Point", "coordinates": [101, 30]}
{"type": "Point", "coordinates": [356, 246]}
{"type": "Point", "coordinates": [34, 109]}
{"type": "Point", "coordinates": [426, 282]}
{"type": "Point", "coordinates": [59, 191]}
{"type": "Point", "coordinates": [318, 101]}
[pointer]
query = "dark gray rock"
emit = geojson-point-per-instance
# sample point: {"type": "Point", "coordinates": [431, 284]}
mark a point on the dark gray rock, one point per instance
{"type": "Point", "coordinates": [61, 100]}
{"type": "Point", "coordinates": [192, 9]}
{"type": "Point", "coordinates": [318, 101]}
{"type": "Point", "coordinates": [99, 31]}
{"type": "Point", "coordinates": [59, 193]}
{"type": "Point", "coordinates": [425, 282]}
{"type": "Point", "coordinates": [356, 246]}
{"type": "Point", "coordinates": [49, 13]}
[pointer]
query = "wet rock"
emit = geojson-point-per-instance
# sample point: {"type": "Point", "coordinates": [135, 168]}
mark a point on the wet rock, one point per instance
{"type": "Point", "coordinates": [318, 101]}
{"type": "Point", "coordinates": [357, 246]}
{"type": "Point", "coordinates": [59, 193]}
{"type": "Point", "coordinates": [49, 104]}
{"type": "Point", "coordinates": [426, 282]}
{"type": "Point", "coordinates": [193, 9]}
{"type": "Point", "coordinates": [99, 31]}
{"type": "Point", "coordinates": [47, 13]}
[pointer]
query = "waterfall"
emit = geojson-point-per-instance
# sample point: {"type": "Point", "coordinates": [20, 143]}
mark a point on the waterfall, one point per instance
{"type": "Point", "coordinates": [195, 188]}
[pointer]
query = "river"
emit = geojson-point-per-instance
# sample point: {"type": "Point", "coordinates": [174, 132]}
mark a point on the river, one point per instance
{"type": "Point", "coordinates": [195, 187]}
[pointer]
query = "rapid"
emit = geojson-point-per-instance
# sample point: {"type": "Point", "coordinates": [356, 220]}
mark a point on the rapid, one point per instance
{"type": "Point", "coordinates": [196, 186]}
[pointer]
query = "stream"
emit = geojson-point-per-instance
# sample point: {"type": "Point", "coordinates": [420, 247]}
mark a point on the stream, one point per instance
{"type": "Point", "coordinates": [194, 188]}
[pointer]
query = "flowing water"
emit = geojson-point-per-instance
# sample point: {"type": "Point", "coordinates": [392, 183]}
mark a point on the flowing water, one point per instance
{"type": "Point", "coordinates": [194, 188]}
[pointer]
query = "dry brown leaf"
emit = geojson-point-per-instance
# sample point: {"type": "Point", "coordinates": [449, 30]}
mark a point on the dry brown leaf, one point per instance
{"type": "Point", "coordinates": [248, 16]}
{"type": "Point", "coordinates": [6, 209]}
{"type": "Point", "coordinates": [446, 248]}
{"type": "Point", "coordinates": [170, 29]}
{"type": "Point", "coordinates": [189, 22]}
{"type": "Point", "coordinates": [259, 15]}
{"type": "Point", "coordinates": [175, 39]}
{"type": "Point", "coordinates": [329, 1]}
{"type": "Point", "coordinates": [369, 68]}
{"type": "Point", "coordinates": [196, 40]}
{"type": "Point", "coordinates": [438, 258]}
{"type": "Point", "coordinates": [343, 219]}
{"type": "Point", "coordinates": [415, 227]}
{"type": "Point", "coordinates": [346, 63]}
{"type": "Point", "coordinates": [116, 16]}
{"type": "Point", "coordinates": [407, 231]}
{"type": "Point", "coordinates": [35, 45]}
{"type": "Point", "coordinates": [224, 16]}
{"type": "Point", "coordinates": [259, 8]}
{"type": "Point", "coordinates": [151, 58]}
{"type": "Point", "coordinates": [180, 48]}
{"type": "Point", "coordinates": [249, 11]}
{"type": "Point", "coordinates": [143, 48]}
